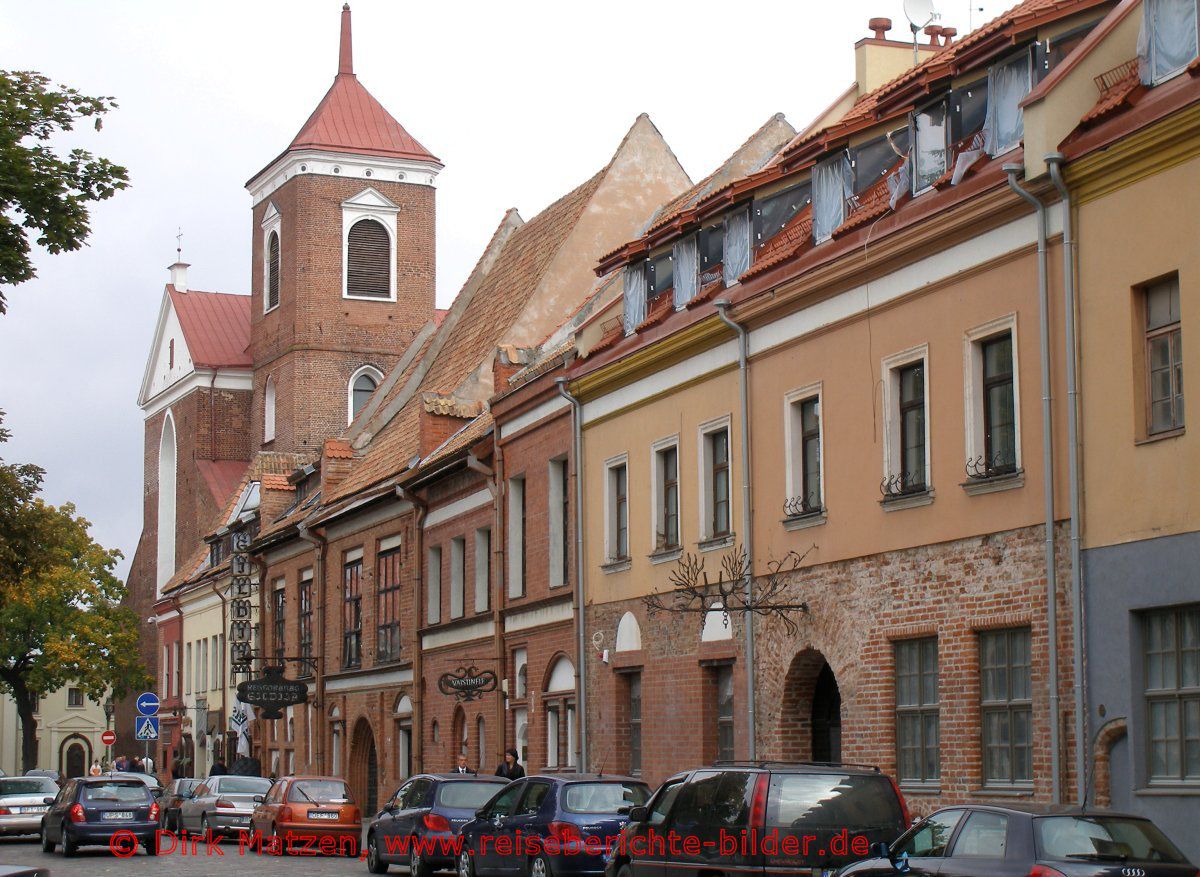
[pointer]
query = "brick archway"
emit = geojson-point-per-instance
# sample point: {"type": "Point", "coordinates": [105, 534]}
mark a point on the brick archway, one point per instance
{"type": "Point", "coordinates": [1106, 738]}
{"type": "Point", "coordinates": [811, 706]}
{"type": "Point", "coordinates": [364, 767]}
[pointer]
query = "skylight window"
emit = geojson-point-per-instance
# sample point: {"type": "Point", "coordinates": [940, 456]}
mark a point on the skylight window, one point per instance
{"type": "Point", "coordinates": [872, 160]}
{"type": "Point", "coordinates": [773, 213]}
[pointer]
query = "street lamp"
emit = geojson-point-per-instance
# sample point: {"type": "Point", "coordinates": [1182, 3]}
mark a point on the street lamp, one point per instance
{"type": "Point", "coordinates": [109, 709]}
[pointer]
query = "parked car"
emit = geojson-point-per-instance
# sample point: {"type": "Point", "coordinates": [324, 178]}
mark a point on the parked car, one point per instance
{"type": "Point", "coordinates": [52, 774]}
{"type": "Point", "coordinates": [984, 841]}
{"type": "Point", "coordinates": [22, 803]}
{"type": "Point", "coordinates": [841, 809]}
{"type": "Point", "coordinates": [23, 871]}
{"type": "Point", "coordinates": [561, 811]}
{"type": "Point", "coordinates": [432, 807]}
{"type": "Point", "coordinates": [173, 796]}
{"type": "Point", "coordinates": [221, 804]}
{"type": "Point", "coordinates": [149, 781]}
{"type": "Point", "coordinates": [88, 811]}
{"type": "Point", "coordinates": [300, 811]}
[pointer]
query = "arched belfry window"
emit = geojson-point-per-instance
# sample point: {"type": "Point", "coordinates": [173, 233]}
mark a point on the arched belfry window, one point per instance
{"type": "Point", "coordinates": [269, 410]}
{"type": "Point", "coordinates": [272, 270]}
{"type": "Point", "coordinates": [362, 384]}
{"type": "Point", "coordinates": [369, 260]}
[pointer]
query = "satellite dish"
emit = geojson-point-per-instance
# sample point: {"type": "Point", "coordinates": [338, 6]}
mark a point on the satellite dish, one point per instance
{"type": "Point", "coordinates": [919, 13]}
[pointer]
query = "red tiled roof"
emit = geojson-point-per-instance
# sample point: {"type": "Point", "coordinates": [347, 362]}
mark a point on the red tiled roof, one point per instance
{"type": "Point", "coordinates": [221, 476]}
{"type": "Point", "coordinates": [1124, 92]}
{"type": "Point", "coordinates": [216, 326]}
{"type": "Point", "coordinates": [439, 314]}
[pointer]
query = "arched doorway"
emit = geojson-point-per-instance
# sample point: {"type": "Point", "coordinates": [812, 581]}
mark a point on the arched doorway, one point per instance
{"type": "Point", "coordinates": [364, 767]}
{"type": "Point", "coordinates": [810, 723]}
{"type": "Point", "coordinates": [74, 757]}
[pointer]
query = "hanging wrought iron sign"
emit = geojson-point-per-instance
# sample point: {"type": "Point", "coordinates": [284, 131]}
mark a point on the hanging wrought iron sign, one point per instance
{"type": "Point", "coordinates": [272, 692]}
{"type": "Point", "coordinates": [467, 683]}
{"type": "Point", "coordinates": [241, 606]}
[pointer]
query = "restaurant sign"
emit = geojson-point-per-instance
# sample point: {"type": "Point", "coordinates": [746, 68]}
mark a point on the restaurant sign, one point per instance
{"type": "Point", "coordinates": [272, 692]}
{"type": "Point", "coordinates": [467, 683]}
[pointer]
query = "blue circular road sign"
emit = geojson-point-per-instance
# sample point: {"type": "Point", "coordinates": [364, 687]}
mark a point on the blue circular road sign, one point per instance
{"type": "Point", "coordinates": [147, 703]}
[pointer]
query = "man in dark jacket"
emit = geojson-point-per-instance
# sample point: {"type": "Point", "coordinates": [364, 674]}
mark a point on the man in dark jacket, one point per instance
{"type": "Point", "coordinates": [510, 768]}
{"type": "Point", "coordinates": [218, 769]}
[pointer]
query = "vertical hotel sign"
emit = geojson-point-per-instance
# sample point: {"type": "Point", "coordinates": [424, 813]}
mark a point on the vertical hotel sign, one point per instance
{"type": "Point", "coordinates": [241, 606]}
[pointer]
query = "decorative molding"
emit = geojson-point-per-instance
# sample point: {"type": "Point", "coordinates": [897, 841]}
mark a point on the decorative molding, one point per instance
{"type": "Point", "coordinates": [370, 680]}
{"type": "Point", "coordinates": [459, 507]}
{"type": "Point", "coordinates": [340, 164]}
{"type": "Point", "coordinates": [458, 634]}
{"type": "Point", "coordinates": [542, 615]}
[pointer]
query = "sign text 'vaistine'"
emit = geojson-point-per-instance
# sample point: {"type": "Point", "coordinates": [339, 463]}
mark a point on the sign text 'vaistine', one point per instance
{"type": "Point", "coordinates": [467, 683]}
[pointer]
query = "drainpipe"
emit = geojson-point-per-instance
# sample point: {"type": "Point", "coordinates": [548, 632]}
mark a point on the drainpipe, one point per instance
{"type": "Point", "coordinates": [224, 669]}
{"type": "Point", "coordinates": [581, 642]}
{"type": "Point", "coordinates": [1055, 160]}
{"type": "Point", "coordinates": [1048, 478]}
{"type": "Point", "coordinates": [722, 306]}
{"type": "Point", "coordinates": [492, 477]}
{"type": "Point", "coordinates": [319, 544]}
{"type": "Point", "coordinates": [418, 683]}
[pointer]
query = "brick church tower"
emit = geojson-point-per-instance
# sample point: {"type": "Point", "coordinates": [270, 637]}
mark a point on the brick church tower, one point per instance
{"type": "Point", "coordinates": [343, 263]}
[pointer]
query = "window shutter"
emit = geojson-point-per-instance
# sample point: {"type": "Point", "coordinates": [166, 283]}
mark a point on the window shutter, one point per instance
{"type": "Point", "coordinates": [273, 270]}
{"type": "Point", "coordinates": [368, 260]}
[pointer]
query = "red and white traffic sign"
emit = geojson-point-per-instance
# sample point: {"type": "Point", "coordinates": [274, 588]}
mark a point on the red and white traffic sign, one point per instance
{"type": "Point", "coordinates": [108, 738]}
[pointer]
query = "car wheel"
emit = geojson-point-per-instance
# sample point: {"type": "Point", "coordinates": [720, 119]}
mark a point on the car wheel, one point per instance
{"type": "Point", "coordinates": [540, 867]}
{"type": "Point", "coordinates": [466, 867]}
{"type": "Point", "coordinates": [47, 844]}
{"type": "Point", "coordinates": [416, 862]}
{"type": "Point", "coordinates": [205, 828]}
{"type": "Point", "coordinates": [374, 864]}
{"type": "Point", "coordinates": [69, 845]}
{"type": "Point", "coordinates": [151, 846]}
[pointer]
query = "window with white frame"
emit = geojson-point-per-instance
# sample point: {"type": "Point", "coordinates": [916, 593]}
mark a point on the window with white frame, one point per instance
{"type": "Point", "coordinates": [483, 568]}
{"type": "Point", "coordinates": [906, 424]}
{"type": "Point", "coordinates": [1164, 357]}
{"type": "Point", "coordinates": [433, 586]}
{"type": "Point", "coordinates": [369, 247]}
{"type": "Point", "coordinates": [187, 670]}
{"type": "Point", "coordinates": [269, 410]}
{"type": "Point", "coordinates": [715, 473]}
{"type": "Point", "coordinates": [362, 384]}
{"type": "Point", "coordinates": [458, 560]}
{"type": "Point", "coordinates": [616, 537]}
{"type": "Point", "coordinates": [1168, 40]}
{"type": "Point", "coordinates": [804, 469]}
{"type": "Point", "coordinates": [271, 228]}
{"type": "Point", "coordinates": [516, 536]}
{"type": "Point", "coordinates": [666, 494]}
{"type": "Point", "coordinates": [992, 417]}
{"type": "Point", "coordinates": [520, 673]}
{"type": "Point", "coordinates": [556, 513]}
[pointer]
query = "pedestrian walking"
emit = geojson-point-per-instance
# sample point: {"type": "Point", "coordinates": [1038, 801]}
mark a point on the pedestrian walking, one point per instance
{"type": "Point", "coordinates": [148, 765]}
{"type": "Point", "coordinates": [510, 768]}
{"type": "Point", "coordinates": [96, 770]}
{"type": "Point", "coordinates": [462, 766]}
{"type": "Point", "coordinates": [218, 769]}
{"type": "Point", "coordinates": [121, 764]}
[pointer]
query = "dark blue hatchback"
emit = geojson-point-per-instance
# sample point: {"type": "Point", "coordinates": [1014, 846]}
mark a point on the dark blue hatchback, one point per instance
{"type": "Point", "coordinates": [89, 811]}
{"type": "Point", "coordinates": [549, 826]}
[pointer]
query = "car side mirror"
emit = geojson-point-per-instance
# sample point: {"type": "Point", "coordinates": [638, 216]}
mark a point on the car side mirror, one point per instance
{"type": "Point", "coordinates": [48, 801]}
{"type": "Point", "coordinates": [637, 814]}
{"type": "Point", "coordinates": [881, 850]}
{"type": "Point", "coordinates": [481, 813]}
{"type": "Point", "coordinates": [258, 799]}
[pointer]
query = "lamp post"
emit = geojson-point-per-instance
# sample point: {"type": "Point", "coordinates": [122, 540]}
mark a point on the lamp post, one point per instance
{"type": "Point", "coordinates": [109, 708]}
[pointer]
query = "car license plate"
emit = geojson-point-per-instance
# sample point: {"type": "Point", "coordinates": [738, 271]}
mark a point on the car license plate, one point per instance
{"type": "Point", "coordinates": [322, 814]}
{"type": "Point", "coordinates": [41, 809]}
{"type": "Point", "coordinates": [116, 814]}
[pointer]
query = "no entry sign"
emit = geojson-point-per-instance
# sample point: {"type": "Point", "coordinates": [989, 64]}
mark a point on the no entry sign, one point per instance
{"type": "Point", "coordinates": [108, 738]}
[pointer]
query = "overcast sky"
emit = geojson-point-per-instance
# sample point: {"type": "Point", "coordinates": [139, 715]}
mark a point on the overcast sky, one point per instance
{"type": "Point", "coordinates": [521, 100]}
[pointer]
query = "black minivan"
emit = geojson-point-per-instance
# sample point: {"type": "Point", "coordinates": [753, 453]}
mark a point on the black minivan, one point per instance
{"type": "Point", "coordinates": [760, 817]}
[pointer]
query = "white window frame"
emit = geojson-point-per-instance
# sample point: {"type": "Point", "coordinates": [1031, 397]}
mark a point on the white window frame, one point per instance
{"type": "Point", "coordinates": [458, 570]}
{"type": "Point", "coordinates": [793, 433]}
{"type": "Point", "coordinates": [515, 494]}
{"type": "Point", "coordinates": [369, 204]}
{"type": "Point", "coordinates": [272, 221]}
{"type": "Point", "coordinates": [891, 366]}
{"type": "Point", "coordinates": [656, 481]}
{"type": "Point", "coordinates": [610, 509]}
{"type": "Point", "coordinates": [973, 420]}
{"type": "Point", "coordinates": [269, 396]}
{"type": "Point", "coordinates": [553, 718]}
{"type": "Point", "coordinates": [483, 568]}
{"type": "Point", "coordinates": [704, 467]}
{"type": "Point", "coordinates": [375, 374]}
{"type": "Point", "coordinates": [520, 662]}
{"type": "Point", "coordinates": [187, 670]}
{"type": "Point", "coordinates": [557, 522]}
{"type": "Point", "coordinates": [433, 585]}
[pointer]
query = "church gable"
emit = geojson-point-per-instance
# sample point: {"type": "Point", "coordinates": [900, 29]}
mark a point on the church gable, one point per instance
{"type": "Point", "coordinates": [170, 360]}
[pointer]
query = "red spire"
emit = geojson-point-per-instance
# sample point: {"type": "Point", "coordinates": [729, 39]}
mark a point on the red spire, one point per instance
{"type": "Point", "coordinates": [346, 48]}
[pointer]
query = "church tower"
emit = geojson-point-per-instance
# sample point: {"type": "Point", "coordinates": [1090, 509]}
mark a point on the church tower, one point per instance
{"type": "Point", "coordinates": [343, 263]}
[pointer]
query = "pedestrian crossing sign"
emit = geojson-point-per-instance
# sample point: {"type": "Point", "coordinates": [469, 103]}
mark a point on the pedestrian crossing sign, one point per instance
{"type": "Point", "coordinates": [146, 728]}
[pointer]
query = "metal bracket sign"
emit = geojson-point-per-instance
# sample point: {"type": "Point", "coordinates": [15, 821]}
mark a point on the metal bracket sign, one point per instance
{"type": "Point", "coordinates": [272, 692]}
{"type": "Point", "coordinates": [241, 605]}
{"type": "Point", "coordinates": [467, 683]}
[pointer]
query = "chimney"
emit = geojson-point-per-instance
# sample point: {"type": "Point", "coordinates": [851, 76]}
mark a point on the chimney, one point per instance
{"type": "Point", "coordinates": [933, 31]}
{"type": "Point", "coordinates": [948, 35]}
{"type": "Point", "coordinates": [878, 59]}
{"type": "Point", "coordinates": [179, 276]}
{"type": "Point", "coordinates": [276, 495]}
{"type": "Point", "coordinates": [337, 459]}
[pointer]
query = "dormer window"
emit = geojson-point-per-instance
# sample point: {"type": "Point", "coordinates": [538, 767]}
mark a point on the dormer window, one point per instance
{"type": "Point", "coordinates": [872, 160]}
{"type": "Point", "coordinates": [711, 247]}
{"type": "Point", "coordinates": [660, 276]}
{"type": "Point", "coordinates": [830, 187]}
{"type": "Point", "coordinates": [773, 213]}
{"type": "Point", "coordinates": [1008, 83]}
{"type": "Point", "coordinates": [931, 147]}
{"type": "Point", "coordinates": [1168, 41]}
{"type": "Point", "coordinates": [968, 110]}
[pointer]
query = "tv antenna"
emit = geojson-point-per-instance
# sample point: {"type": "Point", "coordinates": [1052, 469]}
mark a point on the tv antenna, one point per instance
{"type": "Point", "coordinates": [919, 13]}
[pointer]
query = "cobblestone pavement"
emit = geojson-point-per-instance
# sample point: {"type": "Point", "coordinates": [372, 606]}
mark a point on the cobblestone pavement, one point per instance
{"type": "Point", "coordinates": [100, 862]}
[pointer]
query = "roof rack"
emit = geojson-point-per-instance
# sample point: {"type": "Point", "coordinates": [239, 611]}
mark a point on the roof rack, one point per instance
{"type": "Point", "coordinates": [765, 763]}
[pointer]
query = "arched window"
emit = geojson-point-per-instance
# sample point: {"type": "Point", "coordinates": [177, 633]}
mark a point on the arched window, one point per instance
{"type": "Point", "coordinates": [269, 410]}
{"type": "Point", "coordinates": [481, 734]}
{"type": "Point", "coordinates": [362, 384]}
{"type": "Point", "coordinates": [369, 260]}
{"type": "Point", "coordinates": [272, 270]}
{"type": "Point", "coordinates": [166, 501]}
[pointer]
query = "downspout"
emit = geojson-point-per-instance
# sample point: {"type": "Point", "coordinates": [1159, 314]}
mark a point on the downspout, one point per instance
{"type": "Point", "coordinates": [722, 306]}
{"type": "Point", "coordinates": [319, 544]}
{"type": "Point", "coordinates": [418, 684]}
{"type": "Point", "coordinates": [580, 627]}
{"type": "Point", "coordinates": [224, 668]}
{"type": "Point", "coordinates": [1055, 160]}
{"type": "Point", "coordinates": [493, 485]}
{"type": "Point", "coordinates": [1047, 480]}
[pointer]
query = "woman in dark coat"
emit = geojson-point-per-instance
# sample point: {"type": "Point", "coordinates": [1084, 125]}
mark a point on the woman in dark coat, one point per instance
{"type": "Point", "coordinates": [510, 768]}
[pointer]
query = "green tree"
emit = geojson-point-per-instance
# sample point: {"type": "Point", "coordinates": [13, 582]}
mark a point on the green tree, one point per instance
{"type": "Point", "coordinates": [41, 191]}
{"type": "Point", "coordinates": [60, 615]}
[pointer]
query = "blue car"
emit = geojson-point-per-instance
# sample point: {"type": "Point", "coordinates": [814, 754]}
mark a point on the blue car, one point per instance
{"type": "Point", "coordinates": [417, 827]}
{"type": "Point", "coordinates": [88, 811]}
{"type": "Point", "coordinates": [549, 826]}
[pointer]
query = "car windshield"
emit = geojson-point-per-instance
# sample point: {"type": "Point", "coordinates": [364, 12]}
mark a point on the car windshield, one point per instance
{"type": "Point", "coordinates": [1103, 838]}
{"type": "Point", "coordinates": [466, 795]}
{"type": "Point", "coordinates": [833, 800]}
{"type": "Point", "coordinates": [243, 785]}
{"type": "Point", "coordinates": [320, 792]}
{"type": "Point", "coordinates": [182, 786]}
{"type": "Point", "coordinates": [604, 797]}
{"type": "Point", "coordinates": [124, 793]}
{"type": "Point", "coordinates": [11, 786]}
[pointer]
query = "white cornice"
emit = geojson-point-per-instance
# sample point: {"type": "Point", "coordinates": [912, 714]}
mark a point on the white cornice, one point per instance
{"type": "Point", "coordinates": [201, 378]}
{"type": "Point", "coordinates": [341, 164]}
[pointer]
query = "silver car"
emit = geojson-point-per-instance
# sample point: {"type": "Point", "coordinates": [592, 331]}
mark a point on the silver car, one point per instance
{"type": "Point", "coordinates": [222, 804]}
{"type": "Point", "coordinates": [22, 803]}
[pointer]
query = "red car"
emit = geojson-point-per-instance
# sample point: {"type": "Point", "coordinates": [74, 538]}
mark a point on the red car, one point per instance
{"type": "Point", "coordinates": [307, 815]}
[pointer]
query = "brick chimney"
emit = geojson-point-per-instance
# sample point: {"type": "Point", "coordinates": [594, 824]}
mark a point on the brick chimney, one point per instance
{"type": "Point", "coordinates": [443, 416]}
{"type": "Point", "coordinates": [337, 459]}
{"type": "Point", "coordinates": [276, 494]}
{"type": "Point", "coordinates": [878, 59]}
{"type": "Point", "coordinates": [509, 360]}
